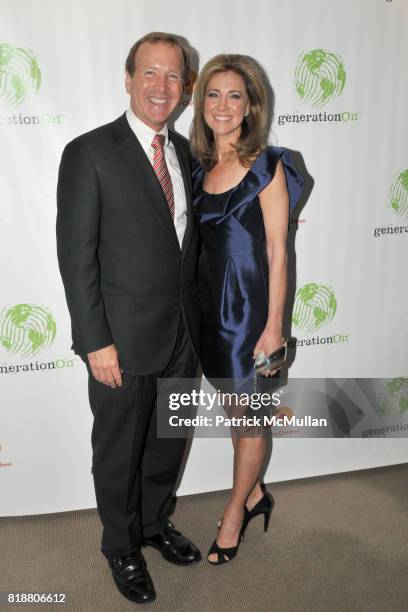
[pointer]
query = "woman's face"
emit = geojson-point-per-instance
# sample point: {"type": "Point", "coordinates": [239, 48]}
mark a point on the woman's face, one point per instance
{"type": "Point", "coordinates": [225, 103]}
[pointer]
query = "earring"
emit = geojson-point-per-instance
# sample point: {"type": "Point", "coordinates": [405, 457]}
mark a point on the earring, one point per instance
{"type": "Point", "coordinates": [246, 113]}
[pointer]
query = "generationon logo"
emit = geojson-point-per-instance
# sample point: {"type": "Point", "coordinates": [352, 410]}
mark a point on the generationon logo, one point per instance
{"type": "Point", "coordinates": [26, 329]}
{"type": "Point", "coordinates": [315, 306]}
{"type": "Point", "coordinates": [20, 75]}
{"type": "Point", "coordinates": [319, 78]}
{"type": "Point", "coordinates": [393, 399]}
{"type": "Point", "coordinates": [398, 203]}
{"type": "Point", "coordinates": [398, 194]}
{"type": "Point", "coordinates": [20, 80]}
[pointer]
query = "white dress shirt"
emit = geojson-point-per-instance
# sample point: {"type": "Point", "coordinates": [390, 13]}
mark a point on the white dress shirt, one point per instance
{"type": "Point", "coordinates": [145, 136]}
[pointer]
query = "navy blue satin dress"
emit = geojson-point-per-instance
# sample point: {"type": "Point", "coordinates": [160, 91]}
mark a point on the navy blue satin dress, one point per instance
{"type": "Point", "coordinates": [233, 267]}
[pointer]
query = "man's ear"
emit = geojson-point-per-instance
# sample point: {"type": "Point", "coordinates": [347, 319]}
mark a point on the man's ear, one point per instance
{"type": "Point", "coordinates": [127, 82]}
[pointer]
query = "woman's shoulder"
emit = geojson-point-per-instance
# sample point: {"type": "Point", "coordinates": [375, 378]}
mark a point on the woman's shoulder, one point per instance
{"type": "Point", "coordinates": [265, 166]}
{"type": "Point", "coordinates": [269, 157]}
{"type": "Point", "coordinates": [267, 160]}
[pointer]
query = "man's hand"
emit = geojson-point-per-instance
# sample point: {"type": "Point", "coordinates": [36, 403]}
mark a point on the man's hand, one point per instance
{"type": "Point", "coordinates": [105, 366]}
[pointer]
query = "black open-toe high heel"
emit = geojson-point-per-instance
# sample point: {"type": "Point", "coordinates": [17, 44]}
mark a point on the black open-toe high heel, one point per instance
{"type": "Point", "coordinates": [264, 506]}
{"type": "Point", "coordinates": [227, 554]}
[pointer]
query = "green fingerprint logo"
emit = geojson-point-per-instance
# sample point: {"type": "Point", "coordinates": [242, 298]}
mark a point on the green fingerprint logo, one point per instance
{"type": "Point", "coordinates": [398, 195]}
{"type": "Point", "coordinates": [315, 305]}
{"type": "Point", "coordinates": [393, 398]}
{"type": "Point", "coordinates": [25, 329]}
{"type": "Point", "coordinates": [319, 76]}
{"type": "Point", "coordinates": [20, 75]}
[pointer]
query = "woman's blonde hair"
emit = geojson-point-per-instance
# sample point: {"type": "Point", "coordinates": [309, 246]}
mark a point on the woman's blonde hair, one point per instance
{"type": "Point", "coordinates": [255, 127]}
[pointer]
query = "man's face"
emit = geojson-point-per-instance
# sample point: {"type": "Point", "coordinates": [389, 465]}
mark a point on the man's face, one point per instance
{"type": "Point", "coordinates": [156, 86]}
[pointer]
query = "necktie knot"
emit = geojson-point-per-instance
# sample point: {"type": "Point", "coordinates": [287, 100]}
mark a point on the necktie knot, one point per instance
{"type": "Point", "coordinates": [158, 141]}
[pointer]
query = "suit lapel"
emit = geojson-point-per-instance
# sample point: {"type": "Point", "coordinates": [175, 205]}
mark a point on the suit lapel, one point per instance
{"type": "Point", "coordinates": [136, 161]}
{"type": "Point", "coordinates": [184, 162]}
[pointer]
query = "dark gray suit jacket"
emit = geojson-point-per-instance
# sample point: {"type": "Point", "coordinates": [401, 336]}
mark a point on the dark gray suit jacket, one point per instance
{"type": "Point", "coordinates": [126, 280]}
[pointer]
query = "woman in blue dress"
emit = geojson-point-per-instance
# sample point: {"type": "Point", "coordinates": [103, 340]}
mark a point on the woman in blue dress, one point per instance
{"type": "Point", "coordinates": [244, 191]}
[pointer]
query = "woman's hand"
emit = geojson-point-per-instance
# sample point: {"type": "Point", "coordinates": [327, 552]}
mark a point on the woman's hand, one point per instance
{"type": "Point", "coordinates": [268, 342]}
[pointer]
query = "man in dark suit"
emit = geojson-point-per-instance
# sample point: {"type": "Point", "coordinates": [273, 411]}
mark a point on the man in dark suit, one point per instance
{"type": "Point", "coordinates": [127, 250]}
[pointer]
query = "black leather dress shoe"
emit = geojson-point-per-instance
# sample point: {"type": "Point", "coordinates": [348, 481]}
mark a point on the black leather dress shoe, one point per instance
{"type": "Point", "coordinates": [173, 546]}
{"type": "Point", "coordinates": [132, 578]}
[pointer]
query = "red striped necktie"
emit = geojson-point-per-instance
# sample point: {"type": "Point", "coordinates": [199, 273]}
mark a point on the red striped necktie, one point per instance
{"type": "Point", "coordinates": [162, 172]}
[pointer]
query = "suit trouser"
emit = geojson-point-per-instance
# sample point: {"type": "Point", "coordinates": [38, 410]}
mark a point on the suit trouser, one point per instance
{"type": "Point", "coordinates": [134, 471]}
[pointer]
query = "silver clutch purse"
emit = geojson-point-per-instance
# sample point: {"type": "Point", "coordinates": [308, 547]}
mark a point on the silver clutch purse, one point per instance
{"type": "Point", "coordinates": [264, 365]}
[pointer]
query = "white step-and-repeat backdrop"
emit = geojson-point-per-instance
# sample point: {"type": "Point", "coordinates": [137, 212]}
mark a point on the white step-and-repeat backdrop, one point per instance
{"type": "Point", "coordinates": [338, 70]}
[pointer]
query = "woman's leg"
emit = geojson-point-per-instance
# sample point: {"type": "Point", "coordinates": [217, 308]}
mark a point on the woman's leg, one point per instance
{"type": "Point", "coordinates": [256, 494]}
{"type": "Point", "coordinates": [248, 459]}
